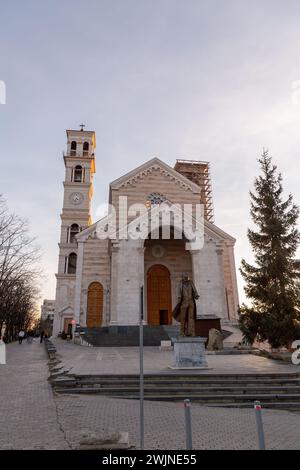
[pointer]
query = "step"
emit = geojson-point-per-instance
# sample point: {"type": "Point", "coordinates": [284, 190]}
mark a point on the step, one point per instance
{"type": "Point", "coordinates": [198, 391]}
{"type": "Point", "coordinates": [183, 376]}
{"type": "Point", "coordinates": [182, 395]}
{"type": "Point", "coordinates": [290, 406]}
{"type": "Point", "coordinates": [174, 387]}
{"type": "Point", "coordinates": [217, 399]}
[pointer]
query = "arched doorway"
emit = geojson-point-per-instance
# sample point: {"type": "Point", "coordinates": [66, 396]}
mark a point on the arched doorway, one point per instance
{"type": "Point", "coordinates": [94, 305]}
{"type": "Point", "coordinates": [159, 303]}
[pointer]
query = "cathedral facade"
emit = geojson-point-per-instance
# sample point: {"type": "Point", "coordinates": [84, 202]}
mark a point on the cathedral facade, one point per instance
{"type": "Point", "coordinates": [100, 280]}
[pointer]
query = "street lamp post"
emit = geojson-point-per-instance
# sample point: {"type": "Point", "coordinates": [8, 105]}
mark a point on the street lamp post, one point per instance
{"type": "Point", "coordinates": [141, 369]}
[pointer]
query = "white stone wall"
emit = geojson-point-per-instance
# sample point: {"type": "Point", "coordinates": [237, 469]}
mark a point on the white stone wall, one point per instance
{"type": "Point", "coordinates": [209, 280]}
{"type": "Point", "coordinates": [127, 277]}
{"type": "Point", "coordinates": [95, 268]}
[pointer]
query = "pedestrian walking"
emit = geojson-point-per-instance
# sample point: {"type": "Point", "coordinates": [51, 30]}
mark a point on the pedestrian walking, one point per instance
{"type": "Point", "coordinates": [29, 337]}
{"type": "Point", "coordinates": [42, 336]}
{"type": "Point", "coordinates": [21, 336]}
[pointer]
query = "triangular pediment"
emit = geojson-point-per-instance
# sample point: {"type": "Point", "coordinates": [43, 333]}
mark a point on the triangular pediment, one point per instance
{"type": "Point", "coordinates": [65, 309]}
{"type": "Point", "coordinates": [216, 232]}
{"type": "Point", "coordinates": [210, 230]}
{"type": "Point", "coordinates": [155, 164]}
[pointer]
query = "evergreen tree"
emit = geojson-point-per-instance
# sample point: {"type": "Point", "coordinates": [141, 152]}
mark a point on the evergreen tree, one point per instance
{"type": "Point", "coordinates": [272, 284]}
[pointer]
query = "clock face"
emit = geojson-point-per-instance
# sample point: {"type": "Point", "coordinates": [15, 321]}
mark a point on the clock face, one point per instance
{"type": "Point", "coordinates": [76, 198]}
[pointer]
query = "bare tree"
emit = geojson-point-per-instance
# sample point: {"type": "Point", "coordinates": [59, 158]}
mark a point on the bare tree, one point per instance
{"type": "Point", "coordinates": [19, 273]}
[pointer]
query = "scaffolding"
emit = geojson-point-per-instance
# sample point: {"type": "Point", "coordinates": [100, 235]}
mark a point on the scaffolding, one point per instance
{"type": "Point", "coordinates": [199, 173]}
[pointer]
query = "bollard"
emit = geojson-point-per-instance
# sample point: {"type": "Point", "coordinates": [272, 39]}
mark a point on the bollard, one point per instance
{"type": "Point", "coordinates": [259, 426]}
{"type": "Point", "coordinates": [188, 424]}
{"type": "Point", "coordinates": [2, 352]}
{"type": "Point", "coordinates": [141, 369]}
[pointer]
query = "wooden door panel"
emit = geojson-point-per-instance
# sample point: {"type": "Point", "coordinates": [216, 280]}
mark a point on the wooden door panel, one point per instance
{"type": "Point", "coordinates": [159, 295]}
{"type": "Point", "coordinates": [94, 305]}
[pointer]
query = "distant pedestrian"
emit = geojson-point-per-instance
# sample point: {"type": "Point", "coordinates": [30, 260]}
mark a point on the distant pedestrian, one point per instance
{"type": "Point", "coordinates": [21, 336]}
{"type": "Point", "coordinates": [42, 336]}
{"type": "Point", "coordinates": [29, 337]}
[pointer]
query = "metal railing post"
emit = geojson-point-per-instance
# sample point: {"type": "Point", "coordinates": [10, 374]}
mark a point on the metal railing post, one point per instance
{"type": "Point", "coordinates": [259, 426]}
{"type": "Point", "coordinates": [188, 424]}
{"type": "Point", "coordinates": [141, 370]}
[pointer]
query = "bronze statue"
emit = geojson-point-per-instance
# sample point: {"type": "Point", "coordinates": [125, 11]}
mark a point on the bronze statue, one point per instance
{"type": "Point", "coordinates": [185, 311]}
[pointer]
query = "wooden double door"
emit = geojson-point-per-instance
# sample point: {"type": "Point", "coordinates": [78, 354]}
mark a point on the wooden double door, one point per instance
{"type": "Point", "coordinates": [159, 300]}
{"type": "Point", "coordinates": [94, 314]}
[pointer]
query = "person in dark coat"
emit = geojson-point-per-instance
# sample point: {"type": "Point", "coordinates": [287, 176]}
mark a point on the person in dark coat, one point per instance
{"type": "Point", "coordinates": [42, 336]}
{"type": "Point", "coordinates": [21, 336]}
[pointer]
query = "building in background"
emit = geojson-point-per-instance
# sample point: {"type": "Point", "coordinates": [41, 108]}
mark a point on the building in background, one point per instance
{"type": "Point", "coordinates": [47, 316]}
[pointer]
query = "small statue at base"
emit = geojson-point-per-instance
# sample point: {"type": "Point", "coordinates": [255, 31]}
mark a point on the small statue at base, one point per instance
{"type": "Point", "coordinates": [185, 311]}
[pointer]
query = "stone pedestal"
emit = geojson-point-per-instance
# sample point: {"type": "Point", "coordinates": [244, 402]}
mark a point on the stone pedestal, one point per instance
{"type": "Point", "coordinates": [189, 353]}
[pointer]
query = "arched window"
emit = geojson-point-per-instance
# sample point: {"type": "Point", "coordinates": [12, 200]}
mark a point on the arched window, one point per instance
{"type": "Point", "coordinates": [78, 173]}
{"type": "Point", "coordinates": [72, 261]}
{"type": "Point", "coordinates": [85, 148]}
{"type": "Point", "coordinates": [74, 229]}
{"type": "Point", "coordinates": [73, 147]}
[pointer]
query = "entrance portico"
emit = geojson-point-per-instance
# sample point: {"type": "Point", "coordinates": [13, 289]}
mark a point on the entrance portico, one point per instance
{"type": "Point", "coordinates": [157, 265]}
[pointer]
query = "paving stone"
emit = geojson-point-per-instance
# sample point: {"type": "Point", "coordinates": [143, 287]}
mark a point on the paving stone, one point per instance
{"type": "Point", "coordinates": [31, 417]}
{"type": "Point", "coordinates": [125, 360]}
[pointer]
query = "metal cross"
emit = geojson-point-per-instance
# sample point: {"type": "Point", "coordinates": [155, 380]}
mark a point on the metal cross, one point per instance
{"type": "Point", "coordinates": [82, 126]}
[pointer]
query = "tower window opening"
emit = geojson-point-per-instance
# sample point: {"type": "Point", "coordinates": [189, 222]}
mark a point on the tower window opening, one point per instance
{"type": "Point", "coordinates": [73, 148]}
{"type": "Point", "coordinates": [72, 261]}
{"type": "Point", "coordinates": [78, 174]}
{"type": "Point", "coordinates": [85, 148]}
{"type": "Point", "coordinates": [74, 229]}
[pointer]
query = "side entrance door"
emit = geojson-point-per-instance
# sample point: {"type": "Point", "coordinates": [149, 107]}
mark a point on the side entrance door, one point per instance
{"type": "Point", "coordinates": [159, 303]}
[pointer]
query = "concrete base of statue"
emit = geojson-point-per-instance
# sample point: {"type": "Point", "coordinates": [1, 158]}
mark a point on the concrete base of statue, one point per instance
{"type": "Point", "coordinates": [189, 353]}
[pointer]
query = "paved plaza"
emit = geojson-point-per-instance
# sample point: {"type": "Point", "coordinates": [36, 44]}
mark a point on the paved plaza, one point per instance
{"type": "Point", "coordinates": [125, 360]}
{"type": "Point", "coordinates": [28, 414]}
{"type": "Point", "coordinates": [31, 417]}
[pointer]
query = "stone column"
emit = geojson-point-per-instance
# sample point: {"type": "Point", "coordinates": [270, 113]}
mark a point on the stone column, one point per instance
{"type": "Point", "coordinates": [141, 260]}
{"type": "Point", "coordinates": [222, 294]}
{"type": "Point", "coordinates": [234, 283]}
{"type": "Point", "coordinates": [114, 284]}
{"type": "Point", "coordinates": [78, 283]}
{"type": "Point", "coordinates": [197, 279]}
{"type": "Point", "coordinates": [130, 269]}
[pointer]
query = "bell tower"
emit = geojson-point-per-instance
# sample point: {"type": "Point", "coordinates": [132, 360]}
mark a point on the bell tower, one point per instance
{"type": "Point", "coordinates": [79, 160]}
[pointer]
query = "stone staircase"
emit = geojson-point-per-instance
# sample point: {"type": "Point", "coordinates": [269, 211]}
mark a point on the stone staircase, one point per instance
{"type": "Point", "coordinates": [277, 390]}
{"type": "Point", "coordinates": [118, 336]}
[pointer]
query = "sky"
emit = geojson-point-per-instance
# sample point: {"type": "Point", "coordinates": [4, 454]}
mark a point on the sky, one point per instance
{"type": "Point", "coordinates": [213, 80]}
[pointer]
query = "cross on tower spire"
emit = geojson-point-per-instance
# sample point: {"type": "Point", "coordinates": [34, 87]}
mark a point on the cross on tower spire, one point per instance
{"type": "Point", "coordinates": [82, 126]}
